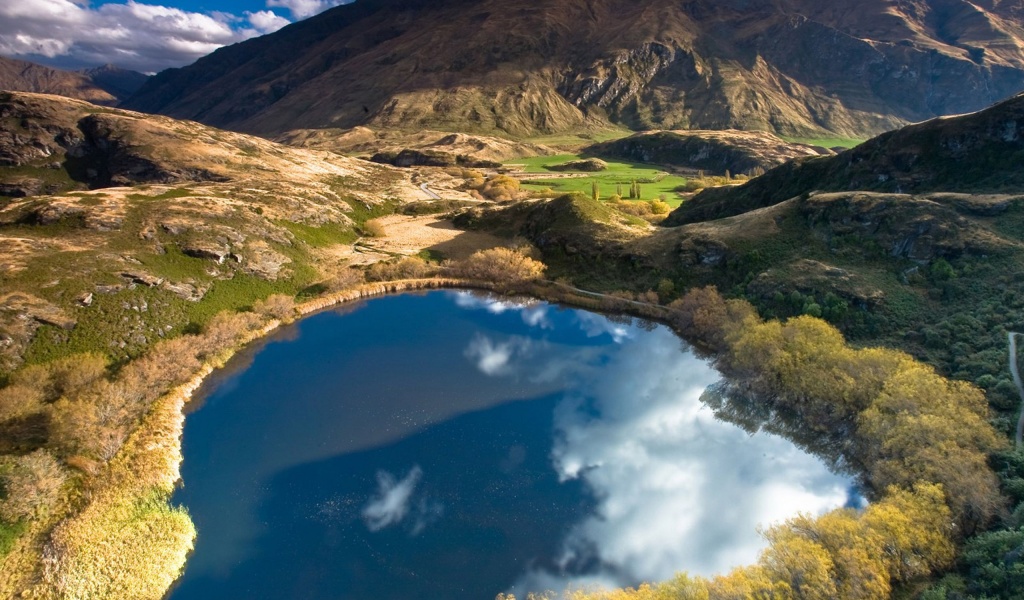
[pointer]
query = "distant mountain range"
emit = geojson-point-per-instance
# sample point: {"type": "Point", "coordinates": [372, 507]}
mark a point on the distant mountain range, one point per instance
{"type": "Point", "coordinates": [797, 67]}
{"type": "Point", "coordinates": [106, 85]}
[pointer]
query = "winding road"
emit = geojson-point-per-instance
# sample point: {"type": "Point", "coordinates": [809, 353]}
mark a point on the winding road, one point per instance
{"type": "Point", "coordinates": [433, 195]}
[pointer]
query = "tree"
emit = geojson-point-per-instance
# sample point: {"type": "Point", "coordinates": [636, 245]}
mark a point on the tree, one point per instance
{"type": "Point", "coordinates": [804, 565]}
{"type": "Point", "coordinates": [501, 265]}
{"type": "Point", "coordinates": [748, 583]}
{"type": "Point", "coordinates": [995, 563]}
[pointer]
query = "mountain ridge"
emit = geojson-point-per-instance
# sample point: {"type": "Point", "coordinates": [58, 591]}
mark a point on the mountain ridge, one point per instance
{"type": "Point", "coordinates": [527, 68]}
{"type": "Point", "coordinates": [106, 85]}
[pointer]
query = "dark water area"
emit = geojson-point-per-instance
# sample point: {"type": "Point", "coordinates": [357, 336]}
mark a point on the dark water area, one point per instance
{"type": "Point", "coordinates": [453, 445]}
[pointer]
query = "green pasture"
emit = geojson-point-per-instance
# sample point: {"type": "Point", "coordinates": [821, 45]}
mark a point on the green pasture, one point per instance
{"type": "Point", "coordinates": [653, 181]}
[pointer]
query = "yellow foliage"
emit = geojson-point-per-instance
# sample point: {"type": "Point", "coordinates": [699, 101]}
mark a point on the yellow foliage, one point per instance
{"type": "Point", "coordinates": [924, 427]}
{"type": "Point", "coordinates": [914, 530]}
{"type": "Point", "coordinates": [680, 587]}
{"type": "Point", "coordinates": [19, 400]}
{"type": "Point", "coordinates": [802, 564]}
{"type": "Point", "coordinates": [500, 265]}
{"type": "Point", "coordinates": [276, 306]}
{"type": "Point", "coordinates": [747, 583]}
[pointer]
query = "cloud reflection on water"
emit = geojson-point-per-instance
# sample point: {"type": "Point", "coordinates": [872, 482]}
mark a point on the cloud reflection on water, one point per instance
{"type": "Point", "coordinates": [677, 488]}
{"type": "Point", "coordinates": [391, 503]}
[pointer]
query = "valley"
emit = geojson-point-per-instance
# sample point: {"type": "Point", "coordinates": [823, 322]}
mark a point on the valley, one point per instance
{"type": "Point", "coordinates": [838, 251]}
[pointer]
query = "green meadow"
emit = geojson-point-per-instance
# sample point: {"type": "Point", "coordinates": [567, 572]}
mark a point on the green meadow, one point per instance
{"type": "Point", "coordinates": [653, 181]}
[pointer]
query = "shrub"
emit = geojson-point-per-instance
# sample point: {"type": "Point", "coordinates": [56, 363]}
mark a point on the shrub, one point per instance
{"type": "Point", "coordinates": [502, 265]}
{"type": "Point", "coordinates": [63, 376]}
{"type": "Point", "coordinates": [409, 267]}
{"type": "Point", "coordinates": [500, 188]}
{"type": "Point", "coordinates": [345, 278]}
{"type": "Point", "coordinates": [31, 486]}
{"type": "Point", "coordinates": [19, 400]}
{"type": "Point", "coordinates": [97, 425]}
{"type": "Point", "coordinates": [374, 228]}
{"type": "Point", "coordinates": [278, 306]}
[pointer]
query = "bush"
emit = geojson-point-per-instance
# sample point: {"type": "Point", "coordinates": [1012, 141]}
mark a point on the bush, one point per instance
{"type": "Point", "coordinates": [409, 267]}
{"type": "Point", "coordinates": [502, 265]}
{"type": "Point", "coordinates": [97, 425]}
{"type": "Point", "coordinates": [63, 376]}
{"type": "Point", "coordinates": [31, 486]}
{"type": "Point", "coordinates": [345, 279]}
{"type": "Point", "coordinates": [646, 209]}
{"type": "Point", "coordinates": [374, 228]}
{"type": "Point", "coordinates": [19, 400]}
{"type": "Point", "coordinates": [278, 306]}
{"type": "Point", "coordinates": [498, 188]}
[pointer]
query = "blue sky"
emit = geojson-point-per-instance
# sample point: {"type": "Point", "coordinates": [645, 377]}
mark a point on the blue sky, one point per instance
{"type": "Point", "coordinates": [145, 35]}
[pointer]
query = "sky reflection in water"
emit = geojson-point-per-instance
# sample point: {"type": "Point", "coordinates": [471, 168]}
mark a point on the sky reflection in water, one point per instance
{"type": "Point", "coordinates": [454, 444]}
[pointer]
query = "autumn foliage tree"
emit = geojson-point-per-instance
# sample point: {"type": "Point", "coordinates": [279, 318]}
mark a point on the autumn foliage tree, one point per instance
{"type": "Point", "coordinates": [500, 265]}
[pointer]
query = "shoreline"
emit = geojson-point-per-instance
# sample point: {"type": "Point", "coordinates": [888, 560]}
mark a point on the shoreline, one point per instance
{"type": "Point", "coordinates": [128, 540]}
{"type": "Point", "coordinates": [577, 298]}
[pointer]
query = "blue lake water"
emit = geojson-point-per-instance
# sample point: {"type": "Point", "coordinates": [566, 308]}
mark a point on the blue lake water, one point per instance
{"type": "Point", "coordinates": [454, 445]}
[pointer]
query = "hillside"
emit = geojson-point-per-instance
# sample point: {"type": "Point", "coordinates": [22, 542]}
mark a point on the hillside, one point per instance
{"type": "Point", "coordinates": [105, 85]}
{"type": "Point", "coordinates": [118, 82]}
{"type": "Point", "coordinates": [980, 152]}
{"type": "Point", "coordinates": [714, 151]}
{"type": "Point", "coordinates": [363, 140]}
{"type": "Point", "coordinates": [522, 68]}
{"type": "Point", "coordinates": [208, 212]}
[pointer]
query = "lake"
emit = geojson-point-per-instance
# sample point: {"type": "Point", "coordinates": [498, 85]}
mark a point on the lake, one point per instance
{"type": "Point", "coordinates": [456, 445]}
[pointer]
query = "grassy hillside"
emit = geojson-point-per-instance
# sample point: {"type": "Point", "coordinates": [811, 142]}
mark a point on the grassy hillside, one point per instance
{"type": "Point", "coordinates": [980, 152]}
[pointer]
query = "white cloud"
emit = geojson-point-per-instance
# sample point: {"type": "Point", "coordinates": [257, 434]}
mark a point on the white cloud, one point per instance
{"type": "Point", "coordinates": [301, 9]}
{"type": "Point", "coordinates": [266, 21]}
{"type": "Point", "coordinates": [391, 504]}
{"type": "Point", "coordinates": [534, 313]}
{"type": "Point", "coordinates": [495, 358]}
{"type": "Point", "coordinates": [595, 325]}
{"type": "Point", "coordinates": [133, 35]}
{"type": "Point", "coordinates": [676, 488]}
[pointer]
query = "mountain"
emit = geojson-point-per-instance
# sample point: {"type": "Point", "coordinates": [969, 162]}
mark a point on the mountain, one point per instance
{"type": "Point", "coordinates": [799, 67]}
{"type": "Point", "coordinates": [105, 85]}
{"type": "Point", "coordinates": [978, 153]}
{"type": "Point", "coordinates": [23, 76]}
{"type": "Point", "coordinates": [118, 82]}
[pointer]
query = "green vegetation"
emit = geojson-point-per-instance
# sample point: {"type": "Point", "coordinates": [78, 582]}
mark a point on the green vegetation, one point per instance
{"type": "Point", "coordinates": [653, 182]}
{"type": "Point", "coordinates": [825, 142]}
{"type": "Point", "coordinates": [322, 236]}
{"type": "Point", "coordinates": [9, 534]}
